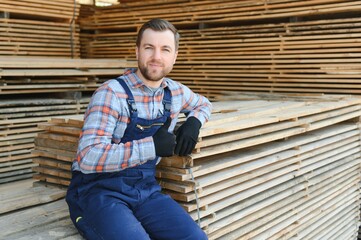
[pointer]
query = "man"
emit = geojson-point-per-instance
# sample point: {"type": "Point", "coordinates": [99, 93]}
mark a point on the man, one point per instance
{"type": "Point", "coordinates": [127, 129]}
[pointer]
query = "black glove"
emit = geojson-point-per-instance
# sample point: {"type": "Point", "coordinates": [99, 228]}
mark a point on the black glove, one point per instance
{"type": "Point", "coordinates": [187, 136]}
{"type": "Point", "coordinates": [164, 141]}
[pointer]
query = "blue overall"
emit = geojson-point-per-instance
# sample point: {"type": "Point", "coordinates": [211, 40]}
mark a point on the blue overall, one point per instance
{"type": "Point", "coordinates": [129, 204]}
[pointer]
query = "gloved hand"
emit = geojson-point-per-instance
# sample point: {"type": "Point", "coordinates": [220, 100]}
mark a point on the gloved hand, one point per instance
{"type": "Point", "coordinates": [164, 142]}
{"type": "Point", "coordinates": [187, 136]}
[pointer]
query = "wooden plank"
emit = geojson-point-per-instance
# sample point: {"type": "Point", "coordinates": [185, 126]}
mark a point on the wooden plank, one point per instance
{"type": "Point", "coordinates": [53, 163]}
{"type": "Point", "coordinates": [34, 217]}
{"type": "Point", "coordinates": [61, 229]}
{"type": "Point", "coordinates": [242, 230]}
{"type": "Point", "coordinates": [224, 172]}
{"type": "Point", "coordinates": [55, 63]}
{"type": "Point", "coordinates": [26, 196]}
{"type": "Point", "coordinates": [281, 198]}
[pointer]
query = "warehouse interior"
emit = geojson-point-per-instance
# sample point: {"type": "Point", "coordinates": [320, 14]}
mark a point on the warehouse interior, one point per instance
{"type": "Point", "coordinates": [280, 156]}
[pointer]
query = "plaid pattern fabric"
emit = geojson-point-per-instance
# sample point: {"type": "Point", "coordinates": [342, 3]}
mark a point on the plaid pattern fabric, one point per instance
{"type": "Point", "coordinates": [100, 148]}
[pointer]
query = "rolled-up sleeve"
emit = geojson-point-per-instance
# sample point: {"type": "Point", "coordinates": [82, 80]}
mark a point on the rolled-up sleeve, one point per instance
{"type": "Point", "coordinates": [195, 105]}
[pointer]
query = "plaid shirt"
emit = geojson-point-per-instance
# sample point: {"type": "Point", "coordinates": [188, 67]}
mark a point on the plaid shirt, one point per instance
{"type": "Point", "coordinates": [107, 117]}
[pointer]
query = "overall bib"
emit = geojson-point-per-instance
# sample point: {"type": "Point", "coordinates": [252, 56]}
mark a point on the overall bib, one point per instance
{"type": "Point", "coordinates": [129, 204]}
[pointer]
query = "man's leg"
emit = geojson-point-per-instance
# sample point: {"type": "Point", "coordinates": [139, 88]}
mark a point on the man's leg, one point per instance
{"type": "Point", "coordinates": [112, 222]}
{"type": "Point", "coordinates": [164, 219]}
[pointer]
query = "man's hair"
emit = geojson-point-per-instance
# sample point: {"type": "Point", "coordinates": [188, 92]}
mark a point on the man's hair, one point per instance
{"type": "Point", "coordinates": [160, 25]}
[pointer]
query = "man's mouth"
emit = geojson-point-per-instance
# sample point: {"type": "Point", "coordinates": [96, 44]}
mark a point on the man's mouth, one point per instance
{"type": "Point", "coordinates": [155, 65]}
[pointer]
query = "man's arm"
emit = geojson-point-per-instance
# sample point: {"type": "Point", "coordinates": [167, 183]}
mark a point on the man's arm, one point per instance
{"type": "Point", "coordinates": [96, 152]}
{"type": "Point", "coordinates": [198, 110]}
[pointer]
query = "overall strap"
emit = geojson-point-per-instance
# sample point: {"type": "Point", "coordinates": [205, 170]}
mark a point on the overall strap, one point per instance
{"type": "Point", "coordinates": [130, 99]}
{"type": "Point", "coordinates": [167, 101]}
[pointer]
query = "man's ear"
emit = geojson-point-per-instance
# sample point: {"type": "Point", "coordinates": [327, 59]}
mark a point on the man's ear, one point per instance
{"type": "Point", "coordinates": [136, 52]}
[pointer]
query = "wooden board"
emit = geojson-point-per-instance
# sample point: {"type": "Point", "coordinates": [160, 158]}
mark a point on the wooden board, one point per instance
{"type": "Point", "coordinates": [50, 221]}
{"type": "Point", "coordinates": [43, 75]}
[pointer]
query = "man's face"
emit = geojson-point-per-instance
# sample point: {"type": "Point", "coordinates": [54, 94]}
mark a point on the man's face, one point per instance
{"type": "Point", "coordinates": [156, 56]}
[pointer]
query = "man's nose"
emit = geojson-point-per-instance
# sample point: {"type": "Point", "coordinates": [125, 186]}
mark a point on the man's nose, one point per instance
{"type": "Point", "coordinates": [157, 54]}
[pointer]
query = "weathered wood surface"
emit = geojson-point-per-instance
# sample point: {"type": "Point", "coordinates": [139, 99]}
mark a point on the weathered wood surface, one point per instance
{"type": "Point", "coordinates": [48, 221]}
{"type": "Point", "coordinates": [23, 194]}
{"type": "Point", "coordinates": [34, 211]}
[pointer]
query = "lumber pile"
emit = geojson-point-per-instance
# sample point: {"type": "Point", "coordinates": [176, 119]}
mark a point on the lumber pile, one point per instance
{"type": "Point", "coordinates": [18, 128]}
{"type": "Point", "coordinates": [190, 13]}
{"type": "Point", "coordinates": [20, 114]}
{"type": "Point", "coordinates": [264, 180]}
{"type": "Point", "coordinates": [286, 54]}
{"type": "Point", "coordinates": [307, 57]}
{"type": "Point", "coordinates": [263, 168]}
{"type": "Point", "coordinates": [24, 37]}
{"type": "Point", "coordinates": [61, 9]}
{"type": "Point", "coordinates": [39, 28]}
{"type": "Point", "coordinates": [56, 149]}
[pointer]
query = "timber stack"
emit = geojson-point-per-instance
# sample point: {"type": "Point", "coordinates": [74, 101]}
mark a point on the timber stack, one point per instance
{"type": "Point", "coordinates": [40, 28]}
{"type": "Point", "coordinates": [29, 31]}
{"type": "Point", "coordinates": [65, 79]}
{"type": "Point", "coordinates": [259, 46]}
{"type": "Point", "coordinates": [263, 168]}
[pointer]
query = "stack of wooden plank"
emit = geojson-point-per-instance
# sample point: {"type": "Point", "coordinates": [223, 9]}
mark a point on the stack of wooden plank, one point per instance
{"type": "Point", "coordinates": [191, 13]}
{"type": "Point", "coordinates": [67, 10]}
{"type": "Point", "coordinates": [56, 148]}
{"type": "Point", "coordinates": [269, 181]}
{"type": "Point", "coordinates": [308, 56]}
{"type": "Point", "coordinates": [18, 128]}
{"type": "Point", "coordinates": [44, 75]}
{"type": "Point", "coordinates": [39, 28]}
{"type": "Point", "coordinates": [311, 57]}
{"type": "Point", "coordinates": [263, 168]}
{"type": "Point", "coordinates": [19, 116]}
{"type": "Point", "coordinates": [23, 37]}
{"type": "Point", "coordinates": [320, 56]}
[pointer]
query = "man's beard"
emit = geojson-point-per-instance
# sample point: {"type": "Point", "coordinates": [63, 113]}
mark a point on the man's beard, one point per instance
{"type": "Point", "coordinates": [154, 75]}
